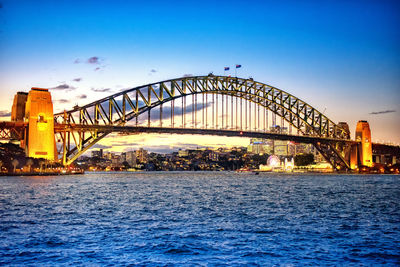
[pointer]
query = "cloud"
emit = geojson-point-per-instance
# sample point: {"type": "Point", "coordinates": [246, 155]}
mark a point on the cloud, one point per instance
{"type": "Point", "coordinates": [382, 112]}
{"type": "Point", "coordinates": [164, 149]}
{"type": "Point", "coordinates": [62, 101]}
{"type": "Point", "coordinates": [96, 69]}
{"type": "Point", "coordinates": [5, 113]}
{"type": "Point", "coordinates": [152, 71]}
{"type": "Point", "coordinates": [178, 110]}
{"type": "Point", "coordinates": [101, 90]}
{"type": "Point", "coordinates": [63, 86]}
{"type": "Point", "coordinates": [99, 146]}
{"type": "Point", "coordinates": [77, 79]}
{"type": "Point", "coordinates": [93, 60]}
{"type": "Point", "coordinates": [82, 96]}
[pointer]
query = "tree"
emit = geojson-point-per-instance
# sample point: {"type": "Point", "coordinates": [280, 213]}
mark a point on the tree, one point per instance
{"type": "Point", "coordinates": [41, 163]}
{"type": "Point", "coordinates": [15, 163]}
{"type": "Point", "coordinates": [303, 159]}
{"type": "Point", "coordinates": [29, 163]}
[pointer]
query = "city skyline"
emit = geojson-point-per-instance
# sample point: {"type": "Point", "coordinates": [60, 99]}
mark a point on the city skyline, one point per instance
{"type": "Point", "coordinates": [347, 68]}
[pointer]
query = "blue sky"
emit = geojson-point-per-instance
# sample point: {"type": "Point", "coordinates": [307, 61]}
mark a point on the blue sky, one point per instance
{"type": "Point", "coordinates": [339, 56]}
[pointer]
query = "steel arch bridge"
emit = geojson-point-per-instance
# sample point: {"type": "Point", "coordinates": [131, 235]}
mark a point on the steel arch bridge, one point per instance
{"type": "Point", "coordinates": [208, 105]}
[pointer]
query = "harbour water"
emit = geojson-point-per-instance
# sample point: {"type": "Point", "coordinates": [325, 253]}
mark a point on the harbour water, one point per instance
{"type": "Point", "coordinates": [200, 218]}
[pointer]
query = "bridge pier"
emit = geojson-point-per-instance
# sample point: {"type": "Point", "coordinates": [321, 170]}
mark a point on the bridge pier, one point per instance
{"type": "Point", "coordinates": [37, 109]}
{"type": "Point", "coordinates": [361, 153]}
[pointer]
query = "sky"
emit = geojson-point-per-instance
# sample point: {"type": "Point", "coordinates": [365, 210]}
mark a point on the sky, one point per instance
{"type": "Point", "coordinates": [341, 57]}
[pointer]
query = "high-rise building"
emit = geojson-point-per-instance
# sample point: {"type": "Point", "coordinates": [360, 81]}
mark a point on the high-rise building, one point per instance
{"type": "Point", "coordinates": [131, 158]}
{"type": "Point", "coordinates": [280, 148]}
{"type": "Point", "coordinates": [260, 146]}
{"type": "Point", "coordinates": [142, 155]}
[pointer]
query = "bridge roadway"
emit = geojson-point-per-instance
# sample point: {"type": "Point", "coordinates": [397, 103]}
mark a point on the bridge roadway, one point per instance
{"type": "Point", "coordinates": [309, 139]}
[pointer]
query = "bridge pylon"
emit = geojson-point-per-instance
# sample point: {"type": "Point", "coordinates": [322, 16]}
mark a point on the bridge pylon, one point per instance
{"type": "Point", "coordinates": [36, 108]}
{"type": "Point", "coordinates": [363, 151]}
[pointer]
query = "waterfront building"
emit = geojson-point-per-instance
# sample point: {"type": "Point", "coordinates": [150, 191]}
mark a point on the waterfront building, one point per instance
{"type": "Point", "coordinates": [183, 153]}
{"type": "Point", "coordinates": [260, 146]}
{"type": "Point", "coordinates": [281, 148]}
{"type": "Point", "coordinates": [142, 155]}
{"type": "Point", "coordinates": [97, 153]}
{"type": "Point", "coordinates": [131, 158]}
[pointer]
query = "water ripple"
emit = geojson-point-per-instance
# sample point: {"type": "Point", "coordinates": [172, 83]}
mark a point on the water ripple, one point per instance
{"type": "Point", "coordinates": [187, 218]}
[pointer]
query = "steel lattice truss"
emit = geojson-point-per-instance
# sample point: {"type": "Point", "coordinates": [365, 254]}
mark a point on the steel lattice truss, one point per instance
{"type": "Point", "coordinates": [118, 109]}
{"type": "Point", "coordinates": [11, 130]}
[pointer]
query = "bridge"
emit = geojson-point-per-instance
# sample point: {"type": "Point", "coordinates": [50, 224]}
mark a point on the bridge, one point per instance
{"type": "Point", "coordinates": [205, 105]}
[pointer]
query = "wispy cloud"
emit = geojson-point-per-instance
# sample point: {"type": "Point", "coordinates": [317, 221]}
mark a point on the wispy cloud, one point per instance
{"type": "Point", "coordinates": [99, 146]}
{"type": "Point", "coordinates": [382, 112]}
{"type": "Point", "coordinates": [101, 90]}
{"type": "Point", "coordinates": [82, 96]}
{"type": "Point", "coordinates": [77, 79]}
{"type": "Point", "coordinates": [5, 113]}
{"type": "Point", "coordinates": [93, 60]}
{"type": "Point", "coordinates": [152, 71]}
{"type": "Point", "coordinates": [62, 101]}
{"type": "Point", "coordinates": [63, 86]}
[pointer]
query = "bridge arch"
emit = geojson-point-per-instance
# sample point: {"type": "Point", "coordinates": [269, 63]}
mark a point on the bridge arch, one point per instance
{"type": "Point", "coordinates": [120, 108]}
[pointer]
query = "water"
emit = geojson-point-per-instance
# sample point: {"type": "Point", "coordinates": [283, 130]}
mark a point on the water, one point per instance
{"type": "Point", "coordinates": [191, 218]}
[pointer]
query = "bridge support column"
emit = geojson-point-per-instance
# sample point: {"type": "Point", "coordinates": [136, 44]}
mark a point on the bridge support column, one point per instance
{"type": "Point", "coordinates": [18, 112]}
{"type": "Point", "coordinates": [361, 154]}
{"type": "Point", "coordinates": [354, 157]}
{"type": "Point", "coordinates": [39, 139]}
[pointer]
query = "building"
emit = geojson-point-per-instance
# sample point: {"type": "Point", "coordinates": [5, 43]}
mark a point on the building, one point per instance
{"type": "Point", "coordinates": [281, 148]}
{"type": "Point", "coordinates": [131, 158]}
{"type": "Point", "coordinates": [97, 153]}
{"type": "Point", "coordinates": [183, 153]}
{"type": "Point", "coordinates": [142, 155]}
{"type": "Point", "coordinates": [260, 146]}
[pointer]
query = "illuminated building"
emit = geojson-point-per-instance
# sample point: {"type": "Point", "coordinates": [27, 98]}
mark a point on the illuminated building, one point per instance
{"type": "Point", "coordinates": [131, 158]}
{"type": "Point", "coordinates": [183, 153]}
{"type": "Point", "coordinates": [39, 139]}
{"type": "Point", "coordinates": [260, 146]}
{"type": "Point", "coordinates": [280, 148]}
{"type": "Point", "coordinates": [142, 155]}
{"type": "Point", "coordinates": [213, 156]}
{"type": "Point", "coordinates": [97, 153]}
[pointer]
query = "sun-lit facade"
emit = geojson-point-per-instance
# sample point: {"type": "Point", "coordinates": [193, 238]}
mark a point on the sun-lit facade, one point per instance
{"type": "Point", "coordinates": [39, 138]}
{"type": "Point", "coordinates": [363, 134]}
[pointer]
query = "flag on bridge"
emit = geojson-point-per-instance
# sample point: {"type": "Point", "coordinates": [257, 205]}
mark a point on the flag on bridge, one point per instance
{"type": "Point", "coordinates": [238, 66]}
{"type": "Point", "coordinates": [226, 68]}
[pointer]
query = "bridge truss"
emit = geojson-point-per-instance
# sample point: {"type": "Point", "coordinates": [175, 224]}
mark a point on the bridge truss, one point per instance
{"type": "Point", "coordinates": [216, 104]}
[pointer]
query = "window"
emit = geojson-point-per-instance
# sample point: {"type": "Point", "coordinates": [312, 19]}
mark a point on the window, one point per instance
{"type": "Point", "coordinates": [41, 118]}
